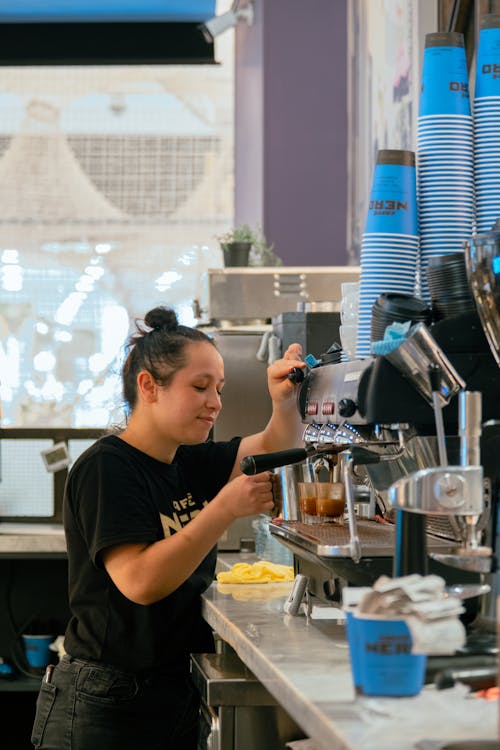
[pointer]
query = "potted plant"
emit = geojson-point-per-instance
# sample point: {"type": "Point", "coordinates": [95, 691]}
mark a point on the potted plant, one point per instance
{"type": "Point", "coordinates": [245, 246]}
{"type": "Point", "coordinates": [262, 253]}
{"type": "Point", "coordinates": [236, 244]}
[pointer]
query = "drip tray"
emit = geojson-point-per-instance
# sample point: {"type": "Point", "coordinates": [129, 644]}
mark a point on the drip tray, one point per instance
{"type": "Point", "coordinates": [332, 540]}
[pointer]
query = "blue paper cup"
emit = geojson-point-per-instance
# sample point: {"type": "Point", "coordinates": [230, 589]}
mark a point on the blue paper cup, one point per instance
{"type": "Point", "coordinates": [393, 197]}
{"type": "Point", "coordinates": [440, 122]}
{"type": "Point", "coordinates": [381, 657]}
{"type": "Point", "coordinates": [445, 85]}
{"type": "Point", "coordinates": [488, 57]}
{"type": "Point", "coordinates": [36, 649]}
{"type": "Point", "coordinates": [352, 635]}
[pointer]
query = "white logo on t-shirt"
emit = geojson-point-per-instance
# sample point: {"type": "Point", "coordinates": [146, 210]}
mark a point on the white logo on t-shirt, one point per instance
{"type": "Point", "coordinates": [183, 511]}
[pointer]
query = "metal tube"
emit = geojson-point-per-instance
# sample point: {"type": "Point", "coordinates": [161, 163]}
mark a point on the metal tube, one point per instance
{"type": "Point", "coordinates": [469, 427]}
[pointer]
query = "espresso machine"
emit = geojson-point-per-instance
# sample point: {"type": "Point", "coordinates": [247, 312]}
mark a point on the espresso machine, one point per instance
{"type": "Point", "coordinates": [345, 424]}
{"type": "Point", "coordinates": [421, 429]}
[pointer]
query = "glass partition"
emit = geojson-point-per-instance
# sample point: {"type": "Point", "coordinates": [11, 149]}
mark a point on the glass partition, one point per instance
{"type": "Point", "coordinates": [114, 182]}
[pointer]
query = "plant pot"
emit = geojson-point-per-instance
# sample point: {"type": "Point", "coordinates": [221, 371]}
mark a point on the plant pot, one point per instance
{"type": "Point", "coordinates": [236, 253]}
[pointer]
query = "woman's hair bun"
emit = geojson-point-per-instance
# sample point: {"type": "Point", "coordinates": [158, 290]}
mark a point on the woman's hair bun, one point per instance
{"type": "Point", "coordinates": [161, 319]}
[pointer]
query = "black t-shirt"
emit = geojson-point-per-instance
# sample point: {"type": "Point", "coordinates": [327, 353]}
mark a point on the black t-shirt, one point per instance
{"type": "Point", "coordinates": [116, 494]}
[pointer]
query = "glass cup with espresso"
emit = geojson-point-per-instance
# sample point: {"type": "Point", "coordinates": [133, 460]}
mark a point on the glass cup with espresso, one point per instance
{"type": "Point", "coordinates": [307, 498]}
{"type": "Point", "coordinates": [330, 502]}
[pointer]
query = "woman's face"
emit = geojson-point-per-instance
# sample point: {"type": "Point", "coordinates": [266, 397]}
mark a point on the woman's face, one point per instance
{"type": "Point", "coordinates": [191, 402]}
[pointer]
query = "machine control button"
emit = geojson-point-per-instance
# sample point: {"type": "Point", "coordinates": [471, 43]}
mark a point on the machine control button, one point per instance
{"type": "Point", "coordinates": [347, 407]}
{"type": "Point", "coordinates": [450, 491]}
{"type": "Point", "coordinates": [328, 407]}
{"type": "Point", "coordinates": [312, 408]}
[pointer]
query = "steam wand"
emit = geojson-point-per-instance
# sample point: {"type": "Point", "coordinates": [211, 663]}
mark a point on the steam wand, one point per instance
{"type": "Point", "coordinates": [435, 374]}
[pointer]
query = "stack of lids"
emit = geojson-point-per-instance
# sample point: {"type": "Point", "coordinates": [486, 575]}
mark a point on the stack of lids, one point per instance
{"type": "Point", "coordinates": [397, 308]}
{"type": "Point", "coordinates": [448, 285]}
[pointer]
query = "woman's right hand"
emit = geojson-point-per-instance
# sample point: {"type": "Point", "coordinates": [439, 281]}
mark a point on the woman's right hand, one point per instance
{"type": "Point", "coordinates": [247, 495]}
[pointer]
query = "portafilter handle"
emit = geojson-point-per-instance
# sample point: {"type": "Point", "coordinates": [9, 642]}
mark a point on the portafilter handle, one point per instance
{"type": "Point", "coordinates": [266, 461]}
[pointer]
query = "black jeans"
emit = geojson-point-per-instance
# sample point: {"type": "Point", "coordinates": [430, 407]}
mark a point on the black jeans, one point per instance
{"type": "Point", "coordinates": [89, 706]}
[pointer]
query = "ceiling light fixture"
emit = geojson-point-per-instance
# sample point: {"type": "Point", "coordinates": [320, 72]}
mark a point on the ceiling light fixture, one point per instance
{"type": "Point", "coordinates": [219, 24]}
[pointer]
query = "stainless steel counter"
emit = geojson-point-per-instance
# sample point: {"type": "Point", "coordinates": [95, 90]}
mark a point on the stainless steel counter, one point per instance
{"type": "Point", "coordinates": [32, 539]}
{"type": "Point", "coordinates": [304, 664]}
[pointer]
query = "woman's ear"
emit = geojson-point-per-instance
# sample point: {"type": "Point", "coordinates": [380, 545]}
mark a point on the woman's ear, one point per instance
{"type": "Point", "coordinates": [146, 386]}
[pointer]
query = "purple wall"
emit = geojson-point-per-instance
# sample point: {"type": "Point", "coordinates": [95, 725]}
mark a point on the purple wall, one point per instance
{"type": "Point", "coordinates": [294, 63]}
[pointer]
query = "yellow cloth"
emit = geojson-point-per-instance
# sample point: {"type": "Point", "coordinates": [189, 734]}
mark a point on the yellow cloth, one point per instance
{"type": "Point", "coordinates": [259, 572]}
{"type": "Point", "coordinates": [241, 593]}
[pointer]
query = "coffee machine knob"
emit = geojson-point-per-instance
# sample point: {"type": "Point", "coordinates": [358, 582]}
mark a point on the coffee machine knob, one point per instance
{"type": "Point", "coordinates": [347, 407]}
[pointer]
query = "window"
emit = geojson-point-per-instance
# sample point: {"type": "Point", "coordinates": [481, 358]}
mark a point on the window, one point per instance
{"type": "Point", "coordinates": [114, 182]}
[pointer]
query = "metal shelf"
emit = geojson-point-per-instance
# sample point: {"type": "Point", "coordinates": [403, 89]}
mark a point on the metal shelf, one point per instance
{"type": "Point", "coordinates": [20, 684]}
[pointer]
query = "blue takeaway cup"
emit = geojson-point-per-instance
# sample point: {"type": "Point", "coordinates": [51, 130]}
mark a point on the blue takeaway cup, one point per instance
{"type": "Point", "coordinates": [445, 82]}
{"type": "Point", "coordinates": [488, 57]}
{"type": "Point", "coordinates": [393, 198]}
{"type": "Point", "coordinates": [351, 625]}
{"type": "Point", "coordinates": [381, 657]}
{"type": "Point", "coordinates": [37, 651]}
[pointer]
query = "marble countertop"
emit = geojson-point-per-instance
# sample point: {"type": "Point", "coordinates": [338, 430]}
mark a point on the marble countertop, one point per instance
{"type": "Point", "coordinates": [304, 663]}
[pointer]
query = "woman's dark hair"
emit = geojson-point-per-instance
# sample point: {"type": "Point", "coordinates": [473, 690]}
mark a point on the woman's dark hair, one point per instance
{"type": "Point", "coordinates": [157, 346]}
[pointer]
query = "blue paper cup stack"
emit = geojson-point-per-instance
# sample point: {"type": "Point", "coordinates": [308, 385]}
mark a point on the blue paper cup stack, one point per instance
{"type": "Point", "coordinates": [445, 154]}
{"type": "Point", "coordinates": [487, 124]}
{"type": "Point", "coordinates": [389, 252]}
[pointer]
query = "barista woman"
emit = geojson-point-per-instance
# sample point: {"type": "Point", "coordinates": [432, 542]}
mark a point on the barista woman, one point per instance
{"type": "Point", "coordinates": [143, 511]}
